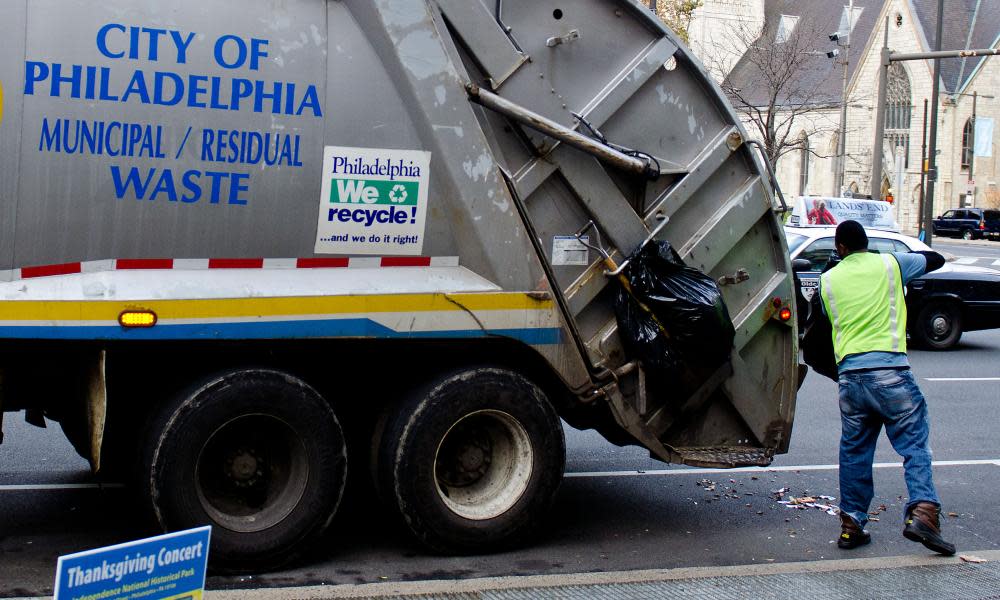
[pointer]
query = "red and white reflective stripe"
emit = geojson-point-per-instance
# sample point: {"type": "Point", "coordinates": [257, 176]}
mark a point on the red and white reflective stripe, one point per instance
{"type": "Point", "coordinates": [132, 264]}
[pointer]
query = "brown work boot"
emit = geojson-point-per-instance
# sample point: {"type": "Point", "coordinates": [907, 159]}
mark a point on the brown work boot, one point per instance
{"type": "Point", "coordinates": [851, 534]}
{"type": "Point", "coordinates": [923, 525]}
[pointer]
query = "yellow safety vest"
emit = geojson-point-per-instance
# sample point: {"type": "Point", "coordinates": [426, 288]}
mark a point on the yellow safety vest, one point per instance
{"type": "Point", "coordinates": [863, 297]}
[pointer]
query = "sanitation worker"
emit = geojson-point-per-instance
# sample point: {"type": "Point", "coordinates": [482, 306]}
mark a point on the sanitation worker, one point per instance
{"type": "Point", "coordinates": [863, 298]}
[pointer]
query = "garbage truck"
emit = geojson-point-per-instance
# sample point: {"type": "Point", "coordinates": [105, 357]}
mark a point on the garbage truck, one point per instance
{"type": "Point", "coordinates": [254, 252]}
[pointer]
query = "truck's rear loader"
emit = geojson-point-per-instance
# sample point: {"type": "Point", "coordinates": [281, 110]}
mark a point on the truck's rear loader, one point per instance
{"type": "Point", "coordinates": [247, 244]}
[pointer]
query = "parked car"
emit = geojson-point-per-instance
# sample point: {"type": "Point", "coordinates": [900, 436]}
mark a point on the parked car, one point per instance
{"type": "Point", "coordinates": [968, 223]}
{"type": "Point", "coordinates": [941, 305]}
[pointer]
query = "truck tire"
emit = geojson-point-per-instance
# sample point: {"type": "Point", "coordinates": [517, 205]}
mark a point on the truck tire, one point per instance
{"type": "Point", "coordinates": [257, 454]}
{"type": "Point", "coordinates": [472, 461]}
{"type": "Point", "coordinates": [938, 326]}
{"type": "Point", "coordinates": [968, 234]}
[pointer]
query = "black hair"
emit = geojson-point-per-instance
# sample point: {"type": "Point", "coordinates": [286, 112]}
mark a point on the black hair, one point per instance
{"type": "Point", "coordinates": [852, 236]}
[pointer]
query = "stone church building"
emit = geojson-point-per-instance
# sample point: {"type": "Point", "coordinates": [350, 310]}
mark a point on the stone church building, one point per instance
{"type": "Point", "coordinates": [725, 33]}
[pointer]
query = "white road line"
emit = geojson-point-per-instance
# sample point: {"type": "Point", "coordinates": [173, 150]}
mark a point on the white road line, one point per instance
{"type": "Point", "coordinates": [996, 263]}
{"type": "Point", "coordinates": [29, 487]}
{"type": "Point", "coordinates": [662, 472]}
{"type": "Point", "coordinates": [32, 487]}
{"type": "Point", "coordinates": [966, 260]}
{"type": "Point", "coordinates": [962, 378]}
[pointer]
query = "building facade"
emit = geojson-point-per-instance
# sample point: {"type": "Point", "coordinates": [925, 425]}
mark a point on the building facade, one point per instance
{"type": "Point", "coordinates": [811, 168]}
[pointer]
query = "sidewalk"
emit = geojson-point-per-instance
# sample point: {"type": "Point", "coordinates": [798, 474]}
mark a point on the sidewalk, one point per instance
{"type": "Point", "coordinates": [911, 577]}
{"type": "Point", "coordinates": [960, 242]}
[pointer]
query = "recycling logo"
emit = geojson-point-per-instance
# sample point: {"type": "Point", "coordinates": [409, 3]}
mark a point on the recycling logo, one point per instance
{"type": "Point", "coordinates": [398, 193]}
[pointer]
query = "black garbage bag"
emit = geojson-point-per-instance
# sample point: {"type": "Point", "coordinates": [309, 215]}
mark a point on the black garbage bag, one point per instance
{"type": "Point", "coordinates": [817, 340]}
{"type": "Point", "coordinates": [671, 316]}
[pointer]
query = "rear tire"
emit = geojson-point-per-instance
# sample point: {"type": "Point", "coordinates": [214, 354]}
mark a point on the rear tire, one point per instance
{"type": "Point", "coordinates": [938, 326]}
{"type": "Point", "coordinates": [257, 454]}
{"type": "Point", "coordinates": [473, 461]}
{"type": "Point", "coordinates": [968, 234]}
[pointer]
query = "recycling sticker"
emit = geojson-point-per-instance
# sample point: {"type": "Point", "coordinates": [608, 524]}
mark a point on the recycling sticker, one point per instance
{"type": "Point", "coordinates": [373, 201]}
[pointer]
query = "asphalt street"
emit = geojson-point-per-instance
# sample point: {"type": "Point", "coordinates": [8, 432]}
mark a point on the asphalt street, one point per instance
{"type": "Point", "coordinates": [617, 510]}
{"type": "Point", "coordinates": [980, 253]}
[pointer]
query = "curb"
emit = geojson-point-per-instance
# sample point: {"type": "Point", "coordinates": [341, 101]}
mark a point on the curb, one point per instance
{"type": "Point", "coordinates": [535, 582]}
{"type": "Point", "coordinates": [961, 242]}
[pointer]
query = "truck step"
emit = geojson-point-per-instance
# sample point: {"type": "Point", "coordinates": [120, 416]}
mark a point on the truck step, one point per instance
{"type": "Point", "coordinates": [726, 456]}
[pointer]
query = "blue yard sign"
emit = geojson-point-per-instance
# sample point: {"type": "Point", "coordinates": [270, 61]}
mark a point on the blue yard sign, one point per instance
{"type": "Point", "coordinates": [165, 567]}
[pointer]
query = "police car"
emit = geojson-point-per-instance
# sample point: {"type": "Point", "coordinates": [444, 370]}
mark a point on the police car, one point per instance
{"type": "Point", "coordinates": [940, 305]}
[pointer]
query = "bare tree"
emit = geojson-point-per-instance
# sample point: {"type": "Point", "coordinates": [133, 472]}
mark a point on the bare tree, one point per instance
{"type": "Point", "coordinates": [677, 14]}
{"type": "Point", "coordinates": [783, 83]}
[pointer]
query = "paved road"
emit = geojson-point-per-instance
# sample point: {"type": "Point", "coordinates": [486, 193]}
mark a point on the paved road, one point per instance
{"type": "Point", "coordinates": [980, 253]}
{"type": "Point", "coordinates": [617, 510]}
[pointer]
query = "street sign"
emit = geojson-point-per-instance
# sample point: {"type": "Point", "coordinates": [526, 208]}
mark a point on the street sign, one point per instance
{"type": "Point", "coordinates": [170, 566]}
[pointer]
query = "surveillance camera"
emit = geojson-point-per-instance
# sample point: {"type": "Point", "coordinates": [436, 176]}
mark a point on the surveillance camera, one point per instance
{"type": "Point", "coordinates": [833, 53]}
{"type": "Point", "coordinates": [834, 36]}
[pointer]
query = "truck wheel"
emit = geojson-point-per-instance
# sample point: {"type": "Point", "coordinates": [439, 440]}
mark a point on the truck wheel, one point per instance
{"type": "Point", "coordinates": [257, 454]}
{"type": "Point", "coordinates": [473, 461]}
{"type": "Point", "coordinates": [968, 234]}
{"type": "Point", "coordinates": [938, 326]}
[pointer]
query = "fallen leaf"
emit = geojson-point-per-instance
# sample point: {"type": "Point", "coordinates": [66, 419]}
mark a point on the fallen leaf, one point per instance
{"type": "Point", "coordinates": [952, 514]}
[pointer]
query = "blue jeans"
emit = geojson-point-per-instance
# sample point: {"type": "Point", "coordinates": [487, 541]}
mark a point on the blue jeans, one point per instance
{"type": "Point", "coordinates": [869, 399]}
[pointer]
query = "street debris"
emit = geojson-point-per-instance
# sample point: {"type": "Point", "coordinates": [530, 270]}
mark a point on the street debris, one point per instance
{"type": "Point", "coordinates": [824, 503]}
{"type": "Point", "coordinates": [971, 559]}
{"type": "Point", "coordinates": [873, 515]}
{"type": "Point", "coordinates": [953, 514]}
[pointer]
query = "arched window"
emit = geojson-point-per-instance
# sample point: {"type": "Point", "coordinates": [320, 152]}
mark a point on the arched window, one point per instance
{"type": "Point", "coordinates": [804, 164]}
{"type": "Point", "coordinates": [967, 145]}
{"type": "Point", "coordinates": [898, 108]}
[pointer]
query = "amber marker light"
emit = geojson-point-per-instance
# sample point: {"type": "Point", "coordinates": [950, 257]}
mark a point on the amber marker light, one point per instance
{"type": "Point", "coordinates": [785, 314]}
{"type": "Point", "coordinates": [137, 318]}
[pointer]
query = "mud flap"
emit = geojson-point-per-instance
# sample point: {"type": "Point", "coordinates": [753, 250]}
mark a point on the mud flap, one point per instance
{"type": "Point", "coordinates": [84, 408]}
{"type": "Point", "coordinates": [97, 405]}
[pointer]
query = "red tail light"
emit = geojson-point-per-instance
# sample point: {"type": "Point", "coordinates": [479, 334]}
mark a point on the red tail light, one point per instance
{"type": "Point", "coordinates": [982, 225]}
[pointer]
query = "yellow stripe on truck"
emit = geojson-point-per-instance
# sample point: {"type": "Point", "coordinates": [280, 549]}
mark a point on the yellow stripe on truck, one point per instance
{"type": "Point", "coordinates": [104, 310]}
